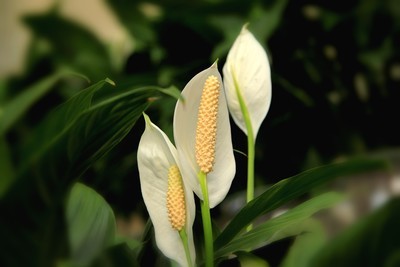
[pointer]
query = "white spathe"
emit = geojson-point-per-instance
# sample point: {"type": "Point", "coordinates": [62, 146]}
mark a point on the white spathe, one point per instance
{"type": "Point", "coordinates": [156, 154]}
{"type": "Point", "coordinates": [247, 67]}
{"type": "Point", "coordinates": [220, 178]}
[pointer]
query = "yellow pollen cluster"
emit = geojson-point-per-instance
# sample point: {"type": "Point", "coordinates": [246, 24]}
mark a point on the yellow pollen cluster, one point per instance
{"type": "Point", "coordinates": [206, 131]}
{"type": "Point", "coordinates": [176, 199]}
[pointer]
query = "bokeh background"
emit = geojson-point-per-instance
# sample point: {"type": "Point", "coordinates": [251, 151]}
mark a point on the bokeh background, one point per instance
{"type": "Point", "coordinates": [335, 69]}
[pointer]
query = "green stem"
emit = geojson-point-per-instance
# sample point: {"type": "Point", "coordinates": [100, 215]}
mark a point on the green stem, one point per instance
{"type": "Point", "coordinates": [250, 144]}
{"type": "Point", "coordinates": [183, 235]}
{"type": "Point", "coordinates": [250, 168]}
{"type": "Point", "coordinates": [205, 214]}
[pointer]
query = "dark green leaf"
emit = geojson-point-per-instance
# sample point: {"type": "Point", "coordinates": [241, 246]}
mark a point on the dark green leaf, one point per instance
{"type": "Point", "coordinates": [291, 188]}
{"type": "Point", "coordinates": [306, 246]}
{"type": "Point", "coordinates": [17, 107]}
{"type": "Point", "coordinates": [115, 256]}
{"type": "Point", "coordinates": [298, 93]}
{"type": "Point", "coordinates": [69, 141]}
{"type": "Point", "coordinates": [171, 91]}
{"type": "Point", "coordinates": [292, 222]}
{"type": "Point", "coordinates": [91, 224]}
{"type": "Point", "coordinates": [373, 241]}
{"type": "Point", "coordinates": [6, 167]}
{"type": "Point", "coordinates": [264, 22]}
{"type": "Point", "coordinates": [71, 44]}
{"type": "Point", "coordinates": [230, 27]}
{"type": "Point", "coordinates": [135, 21]}
{"type": "Point", "coordinates": [56, 126]}
{"type": "Point", "coordinates": [247, 259]}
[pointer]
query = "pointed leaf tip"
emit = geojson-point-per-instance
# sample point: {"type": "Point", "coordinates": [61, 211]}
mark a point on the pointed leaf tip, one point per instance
{"type": "Point", "coordinates": [108, 80]}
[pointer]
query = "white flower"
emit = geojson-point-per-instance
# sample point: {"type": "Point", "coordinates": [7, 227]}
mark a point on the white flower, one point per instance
{"type": "Point", "coordinates": [169, 201]}
{"type": "Point", "coordinates": [202, 135]}
{"type": "Point", "coordinates": [247, 73]}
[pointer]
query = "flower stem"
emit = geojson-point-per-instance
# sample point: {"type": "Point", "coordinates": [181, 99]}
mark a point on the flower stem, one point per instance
{"type": "Point", "coordinates": [205, 214]}
{"type": "Point", "coordinates": [250, 145]}
{"type": "Point", "coordinates": [250, 169]}
{"type": "Point", "coordinates": [183, 235]}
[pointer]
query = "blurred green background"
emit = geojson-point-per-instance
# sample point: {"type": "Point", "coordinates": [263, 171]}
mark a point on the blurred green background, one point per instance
{"type": "Point", "coordinates": [335, 72]}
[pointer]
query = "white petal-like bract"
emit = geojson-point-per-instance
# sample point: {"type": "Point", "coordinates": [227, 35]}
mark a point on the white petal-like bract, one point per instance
{"type": "Point", "coordinates": [220, 178]}
{"type": "Point", "coordinates": [247, 70]}
{"type": "Point", "coordinates": [156, 154]}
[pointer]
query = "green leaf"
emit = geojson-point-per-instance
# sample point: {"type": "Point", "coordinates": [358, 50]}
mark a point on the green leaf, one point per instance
{"type": "Point", "coordinates": [6, 167]}
{"type": "Point", "coordinates": [230, 27]}
{"type": "Point", "coordinates": [292, 222]}
{"type": "Point", "coordinates": [91, 224]}
{"type": "Point", "coordinates": [291, 188]}
{"type": "Point", "coordinates": [68, 142]}
{"type": "Point", "coordinates": [171, 91]}
{"type": "Point", "coordinates": [71, 45]}
{"type": "Point", "coordinates": [16, 108]}
{"type": "Point", "coordinates": [296, 92]}
{"type": "Point", "coordinates": [264, 22]}
{"type": "Point", "coordinates": [115, 256]}
{"type": "Point", "coordinates": [135, 21]}
{"type": "Point", "coordinates": [65, 263]}
{"type": "Point", "coordinates": [306, 246]}
{"type": "Point", "coordinates": [372, 241]}
{"type": "Point", "coordinates": [56, 127]}
{"type": "Point", "coordinates": [247, 259]}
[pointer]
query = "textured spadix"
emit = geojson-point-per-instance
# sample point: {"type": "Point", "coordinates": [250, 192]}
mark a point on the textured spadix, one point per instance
{"type": "Point", "coordinates": [176, 199]}
{"type": "Point", "coordinates": [215, 148]}
{"type": "Point", "coordinates": [157, 160]}
{"type": "Point", "coordinates": [206, 131]}
{"type": "Point", "coordinates": [247, 72]}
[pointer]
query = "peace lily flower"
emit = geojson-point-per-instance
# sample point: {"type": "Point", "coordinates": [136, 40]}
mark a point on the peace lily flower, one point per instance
{"type": "Point", "coordinates": [247, 79]}
{"type": "Point", "coordinates": [202, 135]}
{"type": "Point", "coordinates": [169, 201]}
